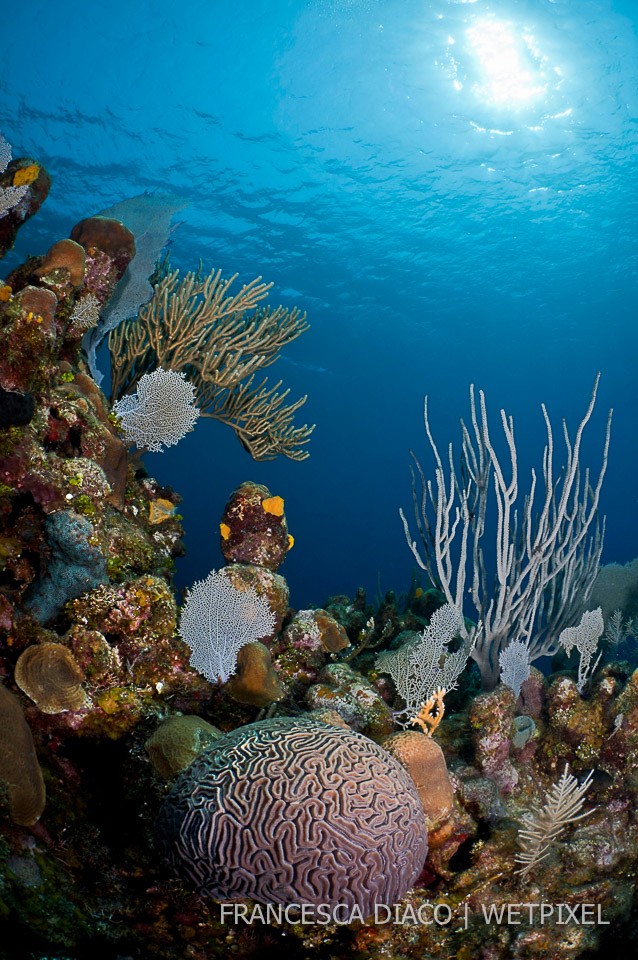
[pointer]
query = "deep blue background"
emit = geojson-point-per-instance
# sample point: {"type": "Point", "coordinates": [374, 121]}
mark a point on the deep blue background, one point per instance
{"type": "Point", "coordinates": [434, 237]}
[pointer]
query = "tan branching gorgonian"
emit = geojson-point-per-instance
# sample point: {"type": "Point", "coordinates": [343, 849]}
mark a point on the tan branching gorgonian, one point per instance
{"type": "Point", "coordinates": [219, 340]}
{"type": "Point", "coordinates": [544, 824]}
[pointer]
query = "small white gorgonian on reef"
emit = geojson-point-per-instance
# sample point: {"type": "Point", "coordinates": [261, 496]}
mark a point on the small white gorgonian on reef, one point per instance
{"type": "Point", "coordinates": [515, 665]}
{"type": "Point", "coordinates": [217, 620]}
{"type": "Point", "coordinates": [86, 312]}
{"type": "Point", "coordinates": [160, 412]}
{"type": "Point", "coordinates": [584, 637]}
{"type": "Point", "coordinates": [423, 666]}
{"type": "Point", "coordinates": [9, 196]}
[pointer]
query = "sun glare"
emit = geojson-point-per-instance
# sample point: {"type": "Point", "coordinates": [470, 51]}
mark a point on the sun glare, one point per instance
{"type": "Point", "coordinates": [509, 66]}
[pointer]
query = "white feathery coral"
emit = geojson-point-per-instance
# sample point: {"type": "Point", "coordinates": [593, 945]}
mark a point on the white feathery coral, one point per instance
{"type": "Point", "coordinates": [541, 827]}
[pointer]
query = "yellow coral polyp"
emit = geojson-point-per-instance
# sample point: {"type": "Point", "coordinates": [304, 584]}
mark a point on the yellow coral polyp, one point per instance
{"type": "Point", "coordinates": [291, 541]}
{"type": "Point", "coordinates": [224, 530]}
{"type": "Point", "coordinates": [26, 175]}
{"type": "Point", "coordinates": [5, 292]}
{"type": "Point", "coordinates": [274, 505]}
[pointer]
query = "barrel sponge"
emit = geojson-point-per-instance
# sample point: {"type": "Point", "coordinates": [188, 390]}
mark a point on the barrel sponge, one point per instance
{"type": "Point", "coordinates": [20, 773]}
{"type": "Point", "coordinates": [292, 810]}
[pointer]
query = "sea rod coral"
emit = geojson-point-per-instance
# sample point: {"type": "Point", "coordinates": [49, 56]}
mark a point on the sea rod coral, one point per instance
{"type": "Point", "coordinates": [546, 553]}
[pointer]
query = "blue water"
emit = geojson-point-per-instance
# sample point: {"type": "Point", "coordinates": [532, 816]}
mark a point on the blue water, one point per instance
{"type": "Point", "coordinates": [450, 189]}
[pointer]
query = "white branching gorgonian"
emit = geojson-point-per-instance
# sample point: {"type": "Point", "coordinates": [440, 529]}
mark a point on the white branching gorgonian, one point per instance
{"type": "Point", "coordinates": [548, 541]}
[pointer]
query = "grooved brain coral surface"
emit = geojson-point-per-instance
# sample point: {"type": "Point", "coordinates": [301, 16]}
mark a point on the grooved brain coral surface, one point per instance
{"type": "Point", "coordinates": [296, 811]}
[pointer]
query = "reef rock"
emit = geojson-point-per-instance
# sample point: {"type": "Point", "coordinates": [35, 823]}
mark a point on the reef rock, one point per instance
{"type": "Point", "coordinates": [253, 527]}
{"type": "Point", "coordinates": [355, 699]}
{"type": "Point", "coordinates": [305, 645]}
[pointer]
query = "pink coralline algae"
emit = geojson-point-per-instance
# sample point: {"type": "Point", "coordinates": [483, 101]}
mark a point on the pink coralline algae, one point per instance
{"type": "Point", "coordinates": [304, 648]}
{"type": "Point", "coordinates": [491, 717]}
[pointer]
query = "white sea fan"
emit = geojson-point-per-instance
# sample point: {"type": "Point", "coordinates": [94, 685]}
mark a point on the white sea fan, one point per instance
{"type": "Point", "coordinates": [217, 620]}
{"type": "Point", "coordinates": [160, 412]}
{"type": "Point", "coordinates": [515, 665]}
{"type": "Point", "coordinates": [9, 196]}
{"type": "Point", "coordinates": [584, 637]}
{"type": "Point", "coordinates": [86, 312]}
{"type": "Point", "coordinates": [424, 664]}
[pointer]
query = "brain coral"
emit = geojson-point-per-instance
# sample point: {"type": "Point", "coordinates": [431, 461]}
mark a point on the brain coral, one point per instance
{"type": "Point", "coordinates": [292, 810]}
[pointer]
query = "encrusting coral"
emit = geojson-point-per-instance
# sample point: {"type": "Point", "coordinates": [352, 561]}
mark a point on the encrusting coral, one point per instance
{"type": "Point", "coordinates": [177, 741]}
{"type": "Point", "coordinates": [50, 676]}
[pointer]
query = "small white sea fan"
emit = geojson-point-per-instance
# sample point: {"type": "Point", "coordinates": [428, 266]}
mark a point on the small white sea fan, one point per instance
{"type": "Point", "coordinates": [515, 665]}
{"type": "Point", "coordinates": [9, 196]}
{"type": "Point", "coordinates": [160, 412]}
{"type": "Point", "coordinates": [217, 620]}
{"type": "Point", "coordinates": [86, 312]}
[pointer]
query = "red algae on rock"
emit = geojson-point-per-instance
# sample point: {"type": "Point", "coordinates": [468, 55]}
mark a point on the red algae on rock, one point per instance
{"type": "Point", "coordinates": [22, 171]}
{"type": "Point", "coordinates": [27, 339]}
{"type": "Point", "coordinates": [304, 648]}
{"type": "Point", "coordinates": [110, 247]}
